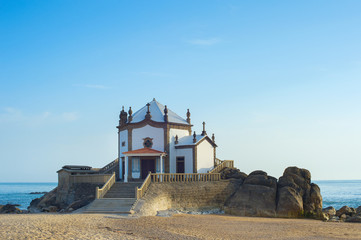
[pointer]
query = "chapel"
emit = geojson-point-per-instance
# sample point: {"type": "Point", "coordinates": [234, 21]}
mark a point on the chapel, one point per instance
{"type": "Point", "coordinates": [155, 139]}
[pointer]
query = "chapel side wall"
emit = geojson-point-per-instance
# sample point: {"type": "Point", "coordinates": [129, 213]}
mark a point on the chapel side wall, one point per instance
{"type": "Point", "coordinates": [173, 153]}
{"type": "Point", "coordinates": [205, 157]}
{"type": "Point", "coordinates": [186, 196]}
{"type": "Point", "coordinates": [123, 137]}
{"type": "Point", "coordinates": [138, 134]}
{"type": "Point", "coordinates": [187, 153]}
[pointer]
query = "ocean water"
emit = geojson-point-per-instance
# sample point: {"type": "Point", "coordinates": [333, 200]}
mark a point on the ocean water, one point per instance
{"type": "Point", "coordinates": [19, 193]}
{"type": "Point", "coordinates": [334, 193]}
{"type": "Point", "coordinates": [338, 193]}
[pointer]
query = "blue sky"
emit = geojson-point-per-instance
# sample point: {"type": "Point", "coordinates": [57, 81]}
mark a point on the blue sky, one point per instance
{"type": "Point", "coordinates": [278, 82]}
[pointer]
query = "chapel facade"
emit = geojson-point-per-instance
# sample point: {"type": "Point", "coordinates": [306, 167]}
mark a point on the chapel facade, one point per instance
{"type": "Point", "coordinates": [155, 139]}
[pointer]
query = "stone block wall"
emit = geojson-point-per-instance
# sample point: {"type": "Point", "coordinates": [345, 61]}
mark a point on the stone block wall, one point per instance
{"type": "Point", "coordinates": [186, 196]}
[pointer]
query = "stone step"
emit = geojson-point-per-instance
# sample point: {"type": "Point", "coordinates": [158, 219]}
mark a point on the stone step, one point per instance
{"type": "Point", "coordinates": [111, 205]}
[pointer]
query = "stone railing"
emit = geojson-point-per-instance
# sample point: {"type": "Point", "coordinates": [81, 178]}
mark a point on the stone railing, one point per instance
{"type": "Point", "coordinates": [109, 166]}
{"type": "Point", "coordinates": [185, 177]}
{"type": "Point", "coordinates": [222, 165]}
{"type": "Point", "coordinates": [141, 191]}
{"type": "Point", "coordinates": [100, 192]}
{"type": "Point", "coordinates": [175, 177]}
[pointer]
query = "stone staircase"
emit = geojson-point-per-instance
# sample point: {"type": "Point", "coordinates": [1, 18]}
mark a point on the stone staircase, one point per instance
{"type": "Point", "coordinates": [123, 190]}
{"type": "Point", "coordinates": [119, 199]}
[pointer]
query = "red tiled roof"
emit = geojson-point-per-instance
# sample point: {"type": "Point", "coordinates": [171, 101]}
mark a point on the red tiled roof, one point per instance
{"type": "Point", "coordinates": [144, 151]}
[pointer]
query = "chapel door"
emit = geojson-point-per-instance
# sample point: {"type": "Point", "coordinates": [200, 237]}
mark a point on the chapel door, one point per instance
{"type": "Point", "coordinates": [146, 166]}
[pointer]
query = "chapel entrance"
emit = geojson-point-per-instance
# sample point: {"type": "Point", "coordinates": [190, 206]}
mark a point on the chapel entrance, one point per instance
{"type": "Point", "coordinates": [146, 166]}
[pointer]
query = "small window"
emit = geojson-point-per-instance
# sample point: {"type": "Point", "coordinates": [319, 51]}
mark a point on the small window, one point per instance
{"type": "Point", "coordinates": [148, 142]}
{"type": "Point", "coordinates": [123, 144]}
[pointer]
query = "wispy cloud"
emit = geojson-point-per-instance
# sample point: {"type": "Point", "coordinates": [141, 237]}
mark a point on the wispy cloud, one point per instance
{"type": "Point", "coordinates": [204, 42]}
{"type": "Point", "coordinates": [94, 86]}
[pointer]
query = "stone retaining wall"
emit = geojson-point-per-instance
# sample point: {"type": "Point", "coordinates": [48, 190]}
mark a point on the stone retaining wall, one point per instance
{"type": "Point", "coordinates": [186, 196]}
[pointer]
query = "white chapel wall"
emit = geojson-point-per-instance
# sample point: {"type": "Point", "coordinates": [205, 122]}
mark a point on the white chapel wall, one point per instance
{"type": "Point", "coordinates": [205, 157]}
{"type": "Point", "coordinates": [187, 153]}
{"type": "Point", "coordinates": [172, 151]}
{"type": "Point", "coordinates": [123, 138]}
{"type": "Point", "coordinates": [139, 134]}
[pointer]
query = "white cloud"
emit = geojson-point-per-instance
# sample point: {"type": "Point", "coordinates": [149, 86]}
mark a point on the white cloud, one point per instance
{"type": "Point", "coordinates": [204, 42]}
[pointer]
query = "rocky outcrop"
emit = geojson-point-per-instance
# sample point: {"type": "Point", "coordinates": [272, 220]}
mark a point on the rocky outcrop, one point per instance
{"type": "Point", "coordinates": [297, 196]}
{"type": "Point", "coordinates": [232, 173]}
{"type": "Point", "coordinates": [293, 195]}
{"type": "Point", "coordinates": [43, 203]}
{"type": "Point", "coordinates": [344, 214]}
{"type": "Point", "coordinates": [255, 197]}
{"type": "Point", "coordinates": [10, 208]}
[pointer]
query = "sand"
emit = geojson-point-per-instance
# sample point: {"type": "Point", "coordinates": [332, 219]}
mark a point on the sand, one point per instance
{"type": "Point", "coordinates": [99, 226]}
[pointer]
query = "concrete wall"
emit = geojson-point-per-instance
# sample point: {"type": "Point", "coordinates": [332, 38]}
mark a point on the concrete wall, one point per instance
{"type": "Point", "coordinates": [186, 196]}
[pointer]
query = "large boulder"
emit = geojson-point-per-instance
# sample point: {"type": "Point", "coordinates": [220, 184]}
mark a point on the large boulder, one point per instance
{"type": "Point", "coordinates": [10, 208]}
{"type": "Point", "coordinates": [256, 197]}
{"type": "Point", "coordinates": [43, 203]}
{"type": "Point", "coordinates": [290, 203]}
{"type": "Point", "coordinates": [297, 196]}
{"type": "Point", "coordinates": [330, 211]}
{"type": "Point", "coordinates": [228, 173]}
{"type": "Point", "coordinates": [345, 210]}
{"type": "Point", "coordinates": [80, 203]}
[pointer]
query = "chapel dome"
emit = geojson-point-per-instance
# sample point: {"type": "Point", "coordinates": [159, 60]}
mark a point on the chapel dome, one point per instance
{"type": "Point", "coordinates": [157, 114]}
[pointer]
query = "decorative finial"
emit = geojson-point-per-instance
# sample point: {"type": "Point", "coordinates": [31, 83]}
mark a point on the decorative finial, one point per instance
{"type": "Point", "coordinates": [194, 137]}
{"type": "Point", "coordinates": [176, 139]}
{"type": "Point", "coordinates": [204, 129]}
{"type": "Point", "coordinates": [148, 116]}
{"type": "Point", "coordinates": [165, 113]}
{"type": "Point", "coordinates": [213, 138]}
{"type": "Point", "coordinates": [122, 117]}
{"type": "Point", "coordinates": [130, 114]}
{"type": "Point", "coordinates": [188, 116]}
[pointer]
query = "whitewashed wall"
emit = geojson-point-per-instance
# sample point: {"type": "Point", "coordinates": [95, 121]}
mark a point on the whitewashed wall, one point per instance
{"type": "Point", "coordinates": [172, 151]}
{"type": "Point", "coordinates": [139, 134]}
{"type": "Point", "coordinates": [187, 153]}
{"type": "Point", "coordinates": [123, 137]}
{"type": "Point", "coordinates": [205, 157]}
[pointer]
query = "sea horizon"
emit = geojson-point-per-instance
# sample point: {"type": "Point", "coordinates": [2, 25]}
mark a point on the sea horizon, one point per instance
{"type": "Point", "coordinates": [335, 193]}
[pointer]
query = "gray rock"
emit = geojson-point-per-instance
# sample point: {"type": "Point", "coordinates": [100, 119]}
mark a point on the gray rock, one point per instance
{"type": "Point", "coordinates": [10, 208]}
{"type": "Point", "coordinates": [290, 203]}
{"type": "Point", "coordinates": [356, 219]}
{"type": "Point", "coordinates": [256, 197]}
{"type": "Point", "coordinates": [330, 211]}
{"type": "Point", "coordinates": [228, 173]}
{"type": "Point", "coordinates": [358, 210]}
{"type": "Point", "coordinates": [297, 197]}
{"type": "Point", "coordinates": [344, 210]}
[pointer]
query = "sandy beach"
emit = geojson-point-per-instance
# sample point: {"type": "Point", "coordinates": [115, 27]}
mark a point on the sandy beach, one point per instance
{"type": "Point", "coordinates": [98, 226]}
